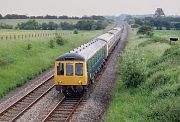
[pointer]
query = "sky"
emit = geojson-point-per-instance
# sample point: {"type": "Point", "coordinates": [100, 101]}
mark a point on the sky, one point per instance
{"type": "Point", "coordinates": [88, 7]}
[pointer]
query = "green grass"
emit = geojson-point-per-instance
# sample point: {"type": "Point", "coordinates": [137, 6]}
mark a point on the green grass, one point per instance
{"type": "Point", "coordinates": [157, 96]}
{"type": "Point", "coordinates": [18, 64]}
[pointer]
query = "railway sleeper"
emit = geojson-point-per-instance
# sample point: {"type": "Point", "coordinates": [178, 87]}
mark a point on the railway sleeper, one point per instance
{"type": "Point", "coordinates": [32, 98]}
{"type": "Point", "coordinates": [57, 119]}
{"type": "Point", "coordinates": [61, 112]}
{"type": "Point", "coordinates": [60, 115]}
{"type": "Point", "coordinates": [68, 104]}
{"type": "Point", "coordinates": [14, 112]}
{"type": "Point", "coordinates": [65, 109]}
{"type": "Point", "coordinates": [69, 107]}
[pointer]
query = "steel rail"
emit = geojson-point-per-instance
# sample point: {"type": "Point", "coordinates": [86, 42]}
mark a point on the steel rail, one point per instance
{"type": "Point", "coordinates": [26, 95]}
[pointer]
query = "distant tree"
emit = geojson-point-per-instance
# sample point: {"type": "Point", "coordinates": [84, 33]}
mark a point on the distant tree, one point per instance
{"type": "Point", "coordinates": [63, 17]}
{"type": "Point", "coordinates": [98, 17]}
{"type": "Point", "coordinates": [149, 21]}
{"type": "Point", "coordinates": [1, 17]}
{"type": "Point", "coordinates": [50, 17]}
{"type": "Point", "coordinates": [52, 26]}
{"type": "Point", "coordinates": [158, 23]}
{"type": "Point", "coordinates": [101, 24]}
{"type": "Point", "coordinates": [29, 25]}
{"type": "Point", "coordinates": [66, 26]}
{"type": "Point", "coordinates": [15, 16]}
{"type": "Point", "coordinates": [145, 30]}
{"type": "Point", "coordinates": [5, 26]}
{"type": "Point", "coordinates": [159, 12]}
{"type": "Point", "coordinates": [85, 17]}
{"type": "Point", "coordinates": [44, 26]}
{"type": "Point", "coordinates": [138, 22]}
{"type": "Point", "coordinates": [177, 26]}
{"type": "Point", "coordinates": [32, 17]}
{"type": "Point", "coordinates": [39, 17]}
{"type": "Point", "coordinates": [166, 24]}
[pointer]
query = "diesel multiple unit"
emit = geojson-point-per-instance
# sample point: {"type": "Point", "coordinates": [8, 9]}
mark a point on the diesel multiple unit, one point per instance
{"type": "Point", "coordinates": [75, 70]}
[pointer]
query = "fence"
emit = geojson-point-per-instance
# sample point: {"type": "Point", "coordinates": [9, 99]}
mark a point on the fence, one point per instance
{"type": "Point", "coordinates": [31, 35]}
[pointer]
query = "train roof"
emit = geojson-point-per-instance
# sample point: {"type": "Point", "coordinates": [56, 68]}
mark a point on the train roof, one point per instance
{"type": "Point", "coordinates": [70, 56]}
{"type": "Point", "coordinates": [117, 28]}
{"type": "Point", "coordinates": [84, 52]}
{"type": "Point", "coordinates": [106, 37]}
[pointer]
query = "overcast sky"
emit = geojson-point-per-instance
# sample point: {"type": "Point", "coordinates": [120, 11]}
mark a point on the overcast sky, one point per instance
{"type": "Point", "coordinates": [88, 7]}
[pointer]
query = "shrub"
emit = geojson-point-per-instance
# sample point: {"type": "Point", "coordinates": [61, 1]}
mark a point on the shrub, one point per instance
{"type": "Point", "coordinates": [29, 46]}
{"type": "Point", "coordinates": [75, 31]}
{"type": "Point", "coordinates": [59, 40]}
{"type": "Point", "coordinates": [132, 69]}
{"type": "Point", "coordinates": [145, 30]}
{"type": "Point", "coordinates": [51, 43]}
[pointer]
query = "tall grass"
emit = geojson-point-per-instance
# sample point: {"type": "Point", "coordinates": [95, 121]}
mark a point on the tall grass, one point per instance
{"type": "Point", "coordinates": [153, 72]}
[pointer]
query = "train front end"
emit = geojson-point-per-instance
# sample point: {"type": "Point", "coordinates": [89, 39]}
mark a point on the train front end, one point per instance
{"type": "Point", "coordinates": [70, 75]}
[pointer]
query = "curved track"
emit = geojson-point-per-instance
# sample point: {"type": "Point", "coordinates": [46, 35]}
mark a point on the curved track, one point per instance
{"type": "Point", "coordinates": [18, 108]}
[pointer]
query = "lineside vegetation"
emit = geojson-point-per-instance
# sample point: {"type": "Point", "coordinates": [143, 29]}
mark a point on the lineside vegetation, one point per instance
{"type": "Point", "coordinates": [148, 89]}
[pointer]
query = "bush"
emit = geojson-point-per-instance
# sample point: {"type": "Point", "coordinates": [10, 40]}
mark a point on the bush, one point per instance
{"type": "Point", "coordinates": [145, 30]}
{"type": "Point", "coordinates": [59, 40]}
{"type": "Point", "coordinates": [5, 26]}
{"type": "Point", "coordinates": [132, 69]}
{"type": "Point", "coordinates": [75, 31]}
{"type": "Point", "coordinates": [51, 43]}
{"type": "Point", "coordinates": [29, 46]}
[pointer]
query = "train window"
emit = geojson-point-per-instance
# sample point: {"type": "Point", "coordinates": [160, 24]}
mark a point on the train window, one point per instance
{"type": "Point", "coordinates": [69, 69]}
{"type": "Point", "coordinates": [60, 69]}
{"type": "Point", "coordinates": [79, 69]}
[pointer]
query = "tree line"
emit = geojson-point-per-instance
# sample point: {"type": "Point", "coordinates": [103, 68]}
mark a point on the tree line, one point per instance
{"type": "Point", "coordinates": [16, 16]}
{"type": "Point", "coordinates": [158, 23]}
{"type": "Point", "coordinates": [80, 25]}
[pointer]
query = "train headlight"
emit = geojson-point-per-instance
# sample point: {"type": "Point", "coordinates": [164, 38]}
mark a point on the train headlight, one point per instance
{"type": "Point", "coordinates": [60, 82]}
{"type": "Point", "coordinates": [80, 82]}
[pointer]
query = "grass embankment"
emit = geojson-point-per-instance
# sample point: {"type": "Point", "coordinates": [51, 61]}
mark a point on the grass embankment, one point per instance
{"type": "Point", "coordinates": [21, 60]}
{"type": "Point", "coordinates": [148, 88]}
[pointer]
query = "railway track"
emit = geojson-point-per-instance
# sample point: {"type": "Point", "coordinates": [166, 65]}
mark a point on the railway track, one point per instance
{"type": "Point", "coordinates": [19, 107]}
{"type": "Point", "coordinates": [64, 109]}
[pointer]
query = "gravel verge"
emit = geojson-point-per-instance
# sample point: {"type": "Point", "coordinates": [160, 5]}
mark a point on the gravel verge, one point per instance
{"type": "Point", "coordinates": [99, 100]}
{"type": "Point", "coordinates": [15, 94]}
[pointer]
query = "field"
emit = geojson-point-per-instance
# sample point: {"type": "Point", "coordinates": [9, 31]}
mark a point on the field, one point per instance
{"type": "Point", "coordinates": [31, 34]}
{"type": "Point", "coordinates": [14, 22]}
{"type": "Point", "coordinates": [148, 87]}
{"type": "Point", "coordinates": [21, 60]}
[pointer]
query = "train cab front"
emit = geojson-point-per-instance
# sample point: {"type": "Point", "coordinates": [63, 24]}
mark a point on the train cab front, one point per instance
{"type": "Point", "coordinates": [70, 74]}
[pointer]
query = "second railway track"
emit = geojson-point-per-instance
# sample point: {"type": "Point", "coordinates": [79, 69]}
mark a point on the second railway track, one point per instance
{"type": "Point", "coordinates": [18, 108]}
{"type": "Point", "coordinates": [64, 109]}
